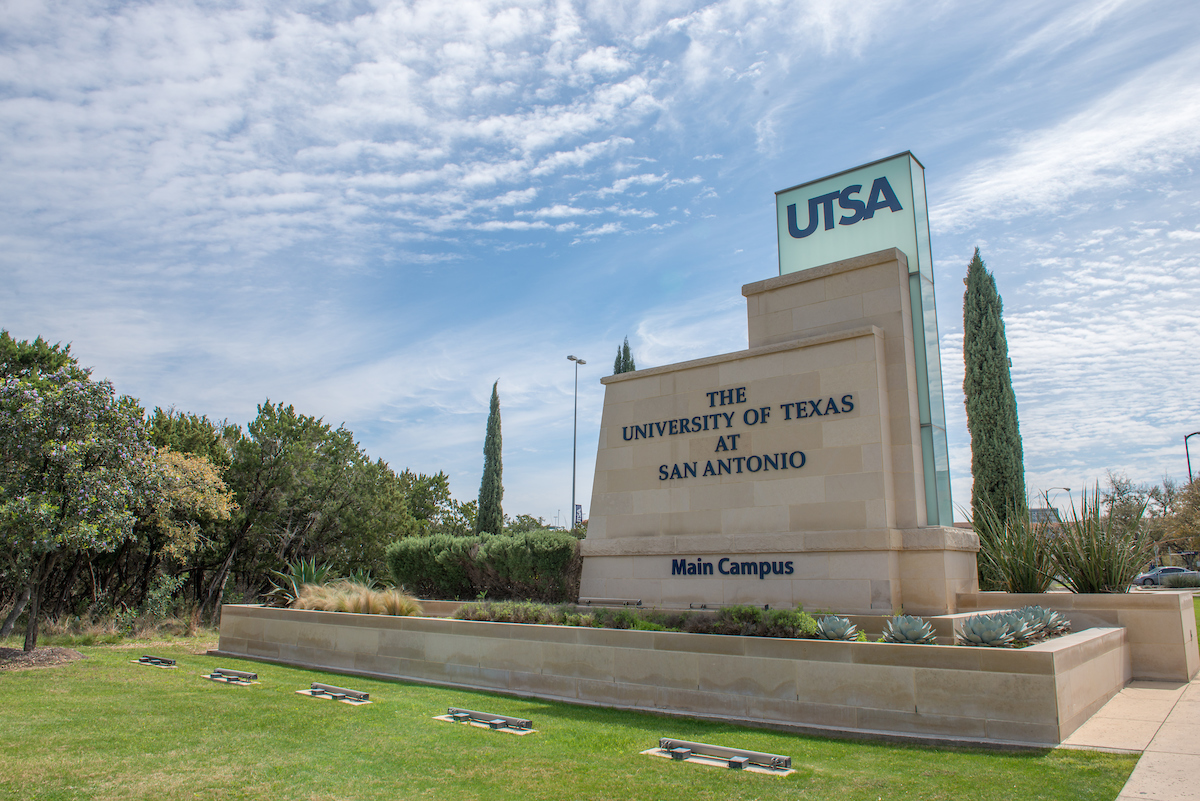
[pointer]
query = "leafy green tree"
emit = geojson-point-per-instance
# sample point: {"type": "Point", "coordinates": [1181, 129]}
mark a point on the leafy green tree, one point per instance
{"type": "Point", "coordinates": [75, 460]}
{"type": "Point", "coordinates": [997, 464]}
{"type": "Point", "coordinates": [491, 489]}
{"type": "Point", "coordinates": [190, 433]}
{"type": "Point", "coordinates": [32, 359]}
{"type": "Point", "coordinates": [428, 496]}
{"type": "Point", "coordinates": [624, 362]}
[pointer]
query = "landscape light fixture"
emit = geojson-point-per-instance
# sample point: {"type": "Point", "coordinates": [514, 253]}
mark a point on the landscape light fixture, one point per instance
{"type": "Point", "coordinates": [737, 758]}
{"type": "Point", "coordinates": [1188, 453]}
{"type": "Point", "coordinates": [575, 437]}
{"type": "Point", "coordinates": [339, 693]}
{"type": "Point", "coordinates": [493, 721]}
{"type": "Point", "coordinates": [1064, 489]}
{"type": "Point", "coordinates": [610, 601]}
{"type": "Point", "coordinates": [232, 676]}
{"type": "Point", "coordinates": [157, 661]}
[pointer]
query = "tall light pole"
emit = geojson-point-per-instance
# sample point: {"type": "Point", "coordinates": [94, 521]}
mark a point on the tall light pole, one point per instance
{"type": "Point", "coordinates": [575, 437]}
{"type": "Point", "coordinates": [1189, 455]}
{"type": "Point", "coordinates": [1068, 491]}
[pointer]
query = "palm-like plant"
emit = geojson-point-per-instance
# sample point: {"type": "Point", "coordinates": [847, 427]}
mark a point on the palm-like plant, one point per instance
{"type": "Point", "coordinates": [1014, 552]}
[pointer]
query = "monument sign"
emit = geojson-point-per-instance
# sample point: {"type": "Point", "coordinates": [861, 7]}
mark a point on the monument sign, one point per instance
{"type": "Point", "coordinates": [810, 467]}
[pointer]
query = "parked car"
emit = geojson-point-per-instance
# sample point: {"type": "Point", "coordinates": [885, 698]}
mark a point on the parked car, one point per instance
{"type": "Point", "coordinates": [1156, 576]}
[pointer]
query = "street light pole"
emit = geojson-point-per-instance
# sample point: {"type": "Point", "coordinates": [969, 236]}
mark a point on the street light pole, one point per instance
{"type": "Point", "coordinates": [1047, 495]}
{"type": "Point", "coordinates": [1189, 455]}
{"type": "Point", "coordinates": [575, 437]}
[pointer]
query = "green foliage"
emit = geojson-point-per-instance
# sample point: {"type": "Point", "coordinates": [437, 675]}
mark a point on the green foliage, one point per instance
{"type": "Point", "coordinates": [997, 463]}
{"type": "Point", "coordinates": [624, 362]}
{"type": "Point", "coordinates": [910, 630]}
{"type": "Point", "coordinates": [491, 488]}
{"type": "Point", "coordinates": [1097, 552]}
{"type": "Point", "coordinates": [1014, 552]}
{"type": "Point", "coordinates": [190, 433]}
{"type": "Point", "coordinates": [160, 600]}
{"type": "Point", "coordinates": [541, 565]}
{"type": "Point", "coordinates": [1180, 582]}
{"type": "Point", "coordinates": [30, 360]}
{"type": "Point", "coordinates": [76, 460]}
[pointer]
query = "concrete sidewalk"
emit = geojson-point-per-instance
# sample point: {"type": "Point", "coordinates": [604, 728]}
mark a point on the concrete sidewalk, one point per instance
{"type": "Point", "coordinates": [1161, 720]}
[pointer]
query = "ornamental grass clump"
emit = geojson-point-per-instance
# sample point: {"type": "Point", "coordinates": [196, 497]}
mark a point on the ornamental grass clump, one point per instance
{"type": "Point", "coordinates": [1014, 552]}
{"type": "Point", "coordinates": [832, 627]}
{"type": "Point", "coordinates": [909, 630]}
{"type": "Point", "coordinates": [346, 596]}
{"type": "Point", "coordinates": [1096, 552]}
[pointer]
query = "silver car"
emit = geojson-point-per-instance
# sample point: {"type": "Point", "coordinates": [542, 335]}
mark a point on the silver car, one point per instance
{"type": "Point", "coordinates": [1155, 577]}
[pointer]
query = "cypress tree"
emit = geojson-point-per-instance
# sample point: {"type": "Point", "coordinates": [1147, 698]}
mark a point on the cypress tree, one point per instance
{"type": "Point", "coordinates": [997, 463]}
{"type": "Point", "coordinates": [624, 362]}
{"type": "Point", "coordinates": [490, 518]}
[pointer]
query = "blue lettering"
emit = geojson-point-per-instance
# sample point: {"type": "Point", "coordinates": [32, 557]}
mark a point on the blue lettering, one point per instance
{"type": "Point", "coordinates": [850, 204]}
{"type": "Point", "coordinates": [832, 406]}
{"type": "Point", "coordinates": [675, 472]}
{"type": "Point", "coordinates": [662, 473]}
{"type": "Point", "coordinates": [721, 567]}
{"type": "Point", "coordinates": [746, 417]}
{"type": "Point", "coordinates": [661, 427]}
{"type": "Point", "coordinates": [749, 567]}
{"type": "Point", "coordinates": [691, 571]}
{"type": "Point", "coordinates": [769, 461]}
{"type": "Point", "coordinates": [678, 567]}
{"type": "Point", "coordinates": [794, 226]}
{"type": "Point", "coordinates": [750, 459]}
{"type": "Point", "coordinates": [792, 459]}
{"type": "Point", "coordinates": [882, 197]}
{"type": "Point", "coordinates": [689, 469]}
{"type": "Point", "coordinates": [724, 466]}
{"type": "Point", "coordinates": [708, 469]}
{"type": "Point", "coordinates": [684, 426]}
{"type": "Point", "coordinates": [777, 568]}
{"type": "Point", "coordinates": [707, 569]}
{"type": "Point", "coordinates": [721, 446]}
{"type": "Point", "coordinates": [847, 403]}
{"type": "Point", "coordinates": [673, 426]}
{"type": "Point", "coordinates": [787, 568]}
{"type": "Point", "coordinates": [787, 410]}
{"type": "Point", "coordinates": [625, 435]}
{"type": "Point", "coordinates": [764, 570]}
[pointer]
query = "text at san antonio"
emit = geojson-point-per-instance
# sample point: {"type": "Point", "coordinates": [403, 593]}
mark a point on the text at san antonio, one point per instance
{"type": "Point", "coordinates": [754, 416]}
{"type": "Point", "coordinates": [728, 567]}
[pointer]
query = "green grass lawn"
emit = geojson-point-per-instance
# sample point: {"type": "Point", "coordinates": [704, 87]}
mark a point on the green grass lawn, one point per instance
{"type": "Point", "coordinates": [104, 728]}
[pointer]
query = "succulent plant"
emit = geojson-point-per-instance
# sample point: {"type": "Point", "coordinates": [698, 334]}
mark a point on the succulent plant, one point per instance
{"type": "Point", "coordinates": [832, 627]}
{"type": "Point", "coordinates": [909, 629]}
{"type": "Point", "coordinates": [1035, 616]}
{"type": "Point", "coordinates": [991, 630]}
{"type": "Point", "coordinates": [1021, 627]}
{"type": "Point", "coordinates": [1052, 623]}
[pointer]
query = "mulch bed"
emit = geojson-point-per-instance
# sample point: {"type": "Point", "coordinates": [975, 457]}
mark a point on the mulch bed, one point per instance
{"type": "Point", "coordinates": [16, 659]}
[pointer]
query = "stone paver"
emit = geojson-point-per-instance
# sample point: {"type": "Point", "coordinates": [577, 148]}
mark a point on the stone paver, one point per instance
{"type": "Point", "coordinates": [1162, 720]}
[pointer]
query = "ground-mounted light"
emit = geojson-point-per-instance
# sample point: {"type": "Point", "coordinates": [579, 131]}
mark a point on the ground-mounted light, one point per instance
{"type": "Point", "coordinates": [610, 601]}
{"type": "Point", "coordinates": [227, 676]}
{"type": "Point", "coordinates": [719, 755]}
{"type": "Point", "coordinates": [343, 694]}
{"type": "Point", "coordinates": [488, 720]}
{"type": "Point", "coordinates": [155, 661]}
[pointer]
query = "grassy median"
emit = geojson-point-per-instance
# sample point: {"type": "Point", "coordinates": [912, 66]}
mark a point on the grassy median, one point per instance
{"type": "Point", "coordinates": [103, 728]}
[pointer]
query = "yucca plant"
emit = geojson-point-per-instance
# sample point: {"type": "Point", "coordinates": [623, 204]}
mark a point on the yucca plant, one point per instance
{"type": "Point", "coordinates": [910, 630]}
{"type": "Point", "coordinates": [832, 627]}
{"type": "Point", "coordinates": [1014, 552]}
{"type": "Point", "coordinates": [1096, 553]}
{"type": "Point", "coordinates": [989, 630]}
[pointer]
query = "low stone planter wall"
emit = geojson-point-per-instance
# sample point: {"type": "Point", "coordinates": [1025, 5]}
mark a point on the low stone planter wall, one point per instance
{"type": "Point", "coordinates": [1033, 695]}
{"type": "Point", "coordinates": [1161, 626]}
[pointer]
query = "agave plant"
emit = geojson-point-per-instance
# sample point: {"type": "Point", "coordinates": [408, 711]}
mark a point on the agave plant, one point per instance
{"type": "Point", "coordinates": [991, 630]}
{"type": "Point", "coordinates": [1019, 625]}
{"type": "Point", "coordinates": [909, 629]}
{"type": "Point", "coordinates": [832, 627]}
{"type": "Point", "coordinates": [285, 591]}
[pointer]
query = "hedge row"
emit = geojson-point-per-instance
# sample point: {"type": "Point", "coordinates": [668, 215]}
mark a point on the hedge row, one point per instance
{"type": "Point", "coordinates": [540, 565]}
{"type": "Point", "coordinates": [748, 621]}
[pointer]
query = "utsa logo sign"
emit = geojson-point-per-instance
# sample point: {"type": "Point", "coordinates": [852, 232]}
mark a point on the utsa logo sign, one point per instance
{"type": "Point", "coordinates": [881, 196]}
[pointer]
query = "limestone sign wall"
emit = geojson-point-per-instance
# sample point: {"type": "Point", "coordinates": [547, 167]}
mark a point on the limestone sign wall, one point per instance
{"type": "Point", "coordinates": [790, 472]}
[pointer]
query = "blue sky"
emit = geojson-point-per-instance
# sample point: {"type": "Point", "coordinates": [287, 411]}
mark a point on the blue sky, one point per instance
{"type": "Point", "coordinates": [374, 210]}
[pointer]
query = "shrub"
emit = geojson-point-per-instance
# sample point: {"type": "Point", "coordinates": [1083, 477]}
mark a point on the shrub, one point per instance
{"type": "Point", "coordinates": [542, 565]}
{"type": "Point", "coordinates": [1181, 582]}
{"type": "Point", "coordinates": [1097, 552]}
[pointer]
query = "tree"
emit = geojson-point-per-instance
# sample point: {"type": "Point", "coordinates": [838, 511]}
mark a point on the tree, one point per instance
{"type": "Point", "coordinates": [490, 518]}
{"type": "Point", "coordinates": [624, 362]}
{"type": "Point", "coordinates": [997, 464]}
{"type": "Point", "coordinates": [75, 460]}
